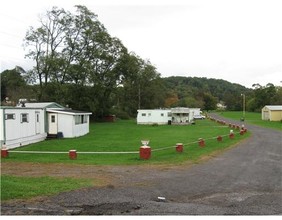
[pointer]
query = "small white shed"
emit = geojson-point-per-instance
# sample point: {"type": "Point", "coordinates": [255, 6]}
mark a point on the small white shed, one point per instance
{"type": "Point", "coordinates": [271, 113]}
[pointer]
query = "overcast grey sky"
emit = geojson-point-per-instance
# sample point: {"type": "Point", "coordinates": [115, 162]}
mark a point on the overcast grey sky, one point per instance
{"type": "Point", "coordinates": [236, 40]}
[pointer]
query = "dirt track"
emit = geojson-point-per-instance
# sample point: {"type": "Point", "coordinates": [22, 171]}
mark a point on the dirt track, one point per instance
{"type": "Point", "coordinates": [245, 180]}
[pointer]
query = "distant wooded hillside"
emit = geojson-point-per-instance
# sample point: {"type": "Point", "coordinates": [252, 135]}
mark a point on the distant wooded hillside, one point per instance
{"type": "Point", "coordinates": [204, 92]}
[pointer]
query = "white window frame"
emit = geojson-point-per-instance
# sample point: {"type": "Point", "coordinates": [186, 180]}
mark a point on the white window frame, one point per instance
{"type": "Point", "coordinates": [24, 118]}
{"type": "Point", "coordinates": [8, 116]}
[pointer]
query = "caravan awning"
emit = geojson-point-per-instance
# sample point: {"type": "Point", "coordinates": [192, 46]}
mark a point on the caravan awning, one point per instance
{"type": "Point", "coordinates": [69, 112]}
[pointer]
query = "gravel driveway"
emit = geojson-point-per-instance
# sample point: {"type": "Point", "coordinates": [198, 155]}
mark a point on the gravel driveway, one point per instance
{"type": "Point", "coordinates": [245, 180]}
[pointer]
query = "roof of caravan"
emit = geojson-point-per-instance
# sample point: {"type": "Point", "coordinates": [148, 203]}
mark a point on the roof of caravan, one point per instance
{"type": "Point", "coordinates": [69, 112]}
{"type": "Point", "coordinates": [43, 105]}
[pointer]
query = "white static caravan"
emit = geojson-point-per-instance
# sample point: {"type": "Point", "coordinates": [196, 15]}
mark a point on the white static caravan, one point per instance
{"type": "Point", "coordinates": [64, 121]}
{"type": "Point", "coordinates": [177, 116]}
{"type": "Point", "coordinates": [21, 126]}
{"type": "Point", "coordinates": [70, 123]}
{"type": "Point", "coordinates": [153, 116]}
{"type": "Point", "coordinates": [33, 122]}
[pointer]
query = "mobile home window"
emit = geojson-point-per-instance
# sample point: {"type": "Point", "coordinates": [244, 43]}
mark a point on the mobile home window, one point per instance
{"type": "Point", "coordinates": [10, 116]}
{"type": "Point", "coordinates": [53, 118]}
{"type": "Point", "coordinates": [77, 119]}
{"type": "Point", "coordinates": [80, 119]}
{"type": "Point", "coordinates": [24, 118]}
{"type": "Point", "coordinates": [85, 119]}
{"type": "Point", "coordinates": [162, 114]}
{"type": "Point", "coordinates": [143, 114]}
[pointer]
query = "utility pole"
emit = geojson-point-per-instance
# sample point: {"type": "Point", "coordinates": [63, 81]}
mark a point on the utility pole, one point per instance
{"type": "Point", "coordinates": [244, 105]}
{"type": "Point", "coordinates": [139, 96]}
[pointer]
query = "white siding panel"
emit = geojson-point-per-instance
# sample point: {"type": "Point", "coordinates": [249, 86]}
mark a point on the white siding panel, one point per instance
{"type": "Point", "coordinates": [65, 125]}
{"type": "Point", "coordinates": [22, 133]}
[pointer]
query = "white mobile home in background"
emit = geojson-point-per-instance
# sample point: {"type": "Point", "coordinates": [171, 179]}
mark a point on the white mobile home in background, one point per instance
{"type": "Point", "coordinates": [179, 115]}
{"type": "Point", "coordinates": [153, 116]}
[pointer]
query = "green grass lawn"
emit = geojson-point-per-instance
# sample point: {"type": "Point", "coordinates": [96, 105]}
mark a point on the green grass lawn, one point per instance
{"type": "Point", "coordinates": [252, 118]}
{"type": "Point", "coordinates": [125, 135]}
{"type": "Point", "coordinates": [119, 136]}
{"type": "Point", "coordinates": [13, 187]}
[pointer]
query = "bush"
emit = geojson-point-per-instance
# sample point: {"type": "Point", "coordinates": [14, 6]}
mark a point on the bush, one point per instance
{"type": "Point", "coordinates": [120, 114]}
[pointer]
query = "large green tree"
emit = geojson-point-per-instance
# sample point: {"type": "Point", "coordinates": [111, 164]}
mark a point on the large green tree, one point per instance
{"type": "Point", "coordinates": [141, 86]}
{"type": "Point", "coordinates": [74, 49]}
{"type": "Point", "coordinates": [44, 45]}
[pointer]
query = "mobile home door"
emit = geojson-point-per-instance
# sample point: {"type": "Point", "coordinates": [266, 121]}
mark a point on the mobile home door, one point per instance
{"type": "Point", "coordinates": [53, 123]}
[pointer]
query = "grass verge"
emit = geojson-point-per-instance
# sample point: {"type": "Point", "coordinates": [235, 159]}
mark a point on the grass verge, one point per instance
{"type": "Point", "coordinates": [14, 187]}
{"type": "Point", "coordinates": [252, 118]}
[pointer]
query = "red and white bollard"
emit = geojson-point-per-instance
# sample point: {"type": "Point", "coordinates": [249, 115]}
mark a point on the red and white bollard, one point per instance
{"type": "Point", "coordinates": [201, 142]}
{"type": "Point", "coordinates": [4, 153]}
{"type": "Point", "coordinates": [145, 152]}
{"type": "Point", "coordinates": [179, 147]}
{"type": "Point", "coordinates": [219, 138]}
{"type": "Point", "coordinates": [231, 135]}
{"type": "Point", "coordinates": [72, 154]}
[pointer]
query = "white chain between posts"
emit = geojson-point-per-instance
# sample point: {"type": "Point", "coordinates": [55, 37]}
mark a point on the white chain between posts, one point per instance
{"type": "Point", "coordinates": [114, 152]}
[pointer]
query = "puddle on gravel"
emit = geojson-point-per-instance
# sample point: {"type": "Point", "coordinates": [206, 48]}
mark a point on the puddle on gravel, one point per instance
{"type": "Point", "coordinates": [108, 209]}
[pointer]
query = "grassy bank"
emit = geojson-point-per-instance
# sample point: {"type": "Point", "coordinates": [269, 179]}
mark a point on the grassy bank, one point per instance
{"type": "Point", "coordinates": [126, 136]}
{"type": "Point", "coordinates": [13, 187]}
{"type": "Point", "coordinates": [252, 118]}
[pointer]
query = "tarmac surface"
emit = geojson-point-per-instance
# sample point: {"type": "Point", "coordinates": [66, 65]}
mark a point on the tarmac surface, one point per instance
{"type": "Point", "coordinates": [244, 180]}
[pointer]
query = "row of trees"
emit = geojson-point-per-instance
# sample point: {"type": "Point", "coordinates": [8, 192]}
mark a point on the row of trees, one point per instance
{"type": "Point", "coordinates": [264, 95]}
{"type": "Point", "coordinates": [79, 64]}
{"type": "Point", "coordinates": [206, 93]}
{"type": "Point", "coordinates": [150, 91]}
